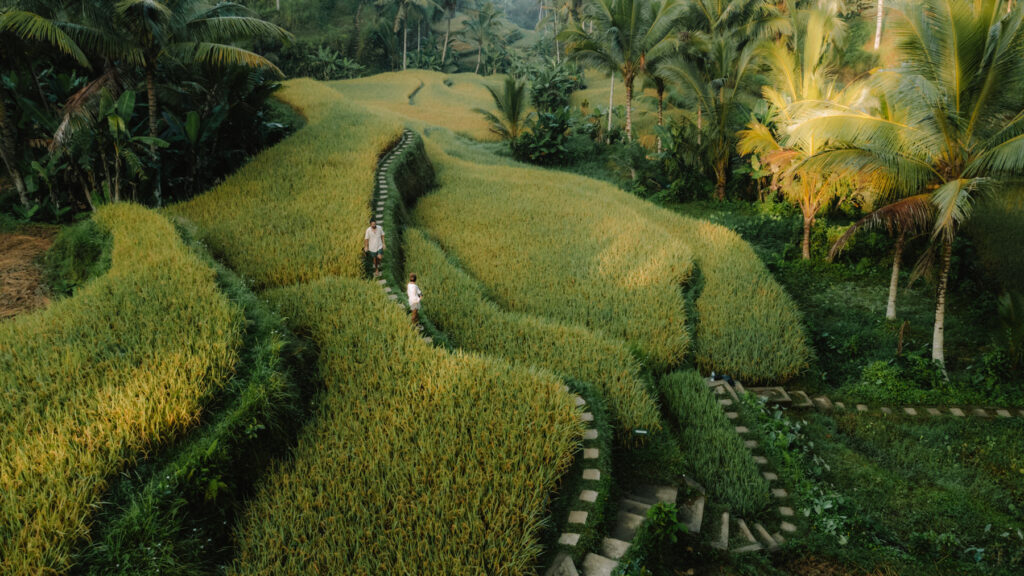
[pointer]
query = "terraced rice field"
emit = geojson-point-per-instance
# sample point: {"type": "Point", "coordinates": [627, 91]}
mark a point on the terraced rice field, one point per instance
{"type": "Point", "coordinates": [90, 383]}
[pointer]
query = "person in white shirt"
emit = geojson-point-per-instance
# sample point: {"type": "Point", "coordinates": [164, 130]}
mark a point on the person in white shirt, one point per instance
{"type": "Point", "coordinates": [373, 244]}
{"type": "Point", "coordinates": [415, 295]}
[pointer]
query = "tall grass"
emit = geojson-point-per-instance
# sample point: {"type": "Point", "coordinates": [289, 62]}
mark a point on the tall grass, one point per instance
{"type": "Point", "coordinates": [457, 305]}
{"type": "Point", "coordinates": [716, 453]}
{"type": "Point", "coordinates": [95, 380]}
{"type": "Point", "coordinates": [417, 462]}
{"type": "Point", "coordinates": [297, 212]}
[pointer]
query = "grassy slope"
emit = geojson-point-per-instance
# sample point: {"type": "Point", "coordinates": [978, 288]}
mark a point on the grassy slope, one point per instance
{"type": "Point", "coordinates": [89, 383]}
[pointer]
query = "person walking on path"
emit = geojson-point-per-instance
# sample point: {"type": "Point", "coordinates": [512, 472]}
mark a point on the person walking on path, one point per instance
{"type": "Point", "coordinates": [415, 295]}
{"type": "Point", "coordinates": [373, 244]}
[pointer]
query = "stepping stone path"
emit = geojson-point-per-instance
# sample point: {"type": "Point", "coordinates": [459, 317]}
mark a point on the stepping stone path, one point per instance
{"type": "Point", "coordinates": [379, 204]}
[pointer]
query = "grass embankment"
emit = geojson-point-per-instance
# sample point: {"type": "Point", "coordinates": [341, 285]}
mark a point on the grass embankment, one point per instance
{"type": "Point", "coordinates": [93, 381]}
{"type": "Point", "coordinates": [297, 212]}
{"type": "Point", "coordinates": [417, 461]}
{"type": "Point", "coordinates": [457, 305]}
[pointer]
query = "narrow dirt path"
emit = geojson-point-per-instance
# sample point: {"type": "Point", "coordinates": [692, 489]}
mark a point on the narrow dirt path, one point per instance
{"type": "Point", "coordinates": [21, 274]}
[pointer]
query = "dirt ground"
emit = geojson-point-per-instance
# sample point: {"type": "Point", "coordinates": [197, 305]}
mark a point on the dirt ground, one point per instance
{"type": "Point", "coordinates": [21, 275]}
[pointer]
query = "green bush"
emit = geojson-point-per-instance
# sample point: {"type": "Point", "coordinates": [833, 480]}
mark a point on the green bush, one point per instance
{"type": "Point", "coordinates": [80, 253]}
{"type": "Point", "coordinates": [718, 457]}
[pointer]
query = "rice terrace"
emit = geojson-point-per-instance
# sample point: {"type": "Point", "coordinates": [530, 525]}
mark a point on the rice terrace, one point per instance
{"type": "Point", "coordinates": [512, 287]}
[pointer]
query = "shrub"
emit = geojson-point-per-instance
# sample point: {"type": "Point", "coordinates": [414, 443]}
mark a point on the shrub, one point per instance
{"type": "Point", "coordinates": [279, 227]}
{"type": "Point", "coordinates": [95, 380]}
{"type": "Point", "coordinates": [457, 304]}
{"type": "Point", "coordinates": [718, 457]}
{"type": "Point", "coordinates": [416, 460]}
{"type": "Point", "coordinates": [80, 253]}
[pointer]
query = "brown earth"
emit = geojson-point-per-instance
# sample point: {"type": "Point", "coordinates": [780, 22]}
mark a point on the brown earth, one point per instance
{"type": "Point", "coordinates": [21, 275]}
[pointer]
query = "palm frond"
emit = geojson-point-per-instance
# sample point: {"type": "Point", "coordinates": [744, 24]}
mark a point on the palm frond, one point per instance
{"type": "Point", "coordinates": [34, 28]}
{"type": "Point", "coordinates": [912, 215]}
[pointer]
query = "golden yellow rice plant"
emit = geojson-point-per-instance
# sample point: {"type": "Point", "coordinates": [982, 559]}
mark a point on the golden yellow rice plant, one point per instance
{"type": "Point", "coordinates": [416, 462]}
{"type": "Point", "coordinates": [456, 303]}
{"type": "Point", "coordinates": [297, 211]}
{"type": "Point", "coordinates": [95, 380]}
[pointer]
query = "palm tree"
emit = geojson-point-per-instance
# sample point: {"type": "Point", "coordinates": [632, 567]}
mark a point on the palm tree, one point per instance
{"type": "Point", "coordinates": [18, 25]}
{"type": "Point", "coordinates": [186, 32]}
{"type": "Point", "coordinates": [404, 9]}
{"type": "Point", "coordinates": [449, 7]}
{"type": "Point", "coordinates": [627, 34]}
{"type": "Point", "coordinates": [483, 30]}
{"type": "Point", "coordinates": [912, 215]}
{"type": "Point", "coordinates": [511, 104]}
{"type": "Point", "coordinates": [800, 70]}
{"type": "Point", "coordinates": [962, 84]}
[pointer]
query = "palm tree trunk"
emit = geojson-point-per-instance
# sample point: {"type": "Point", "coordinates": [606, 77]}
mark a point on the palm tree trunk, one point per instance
{"type": "Point", "coordinates": [894, 282]}
{"type": "Point", "coordinates": [805, 245]}
{"type": "Point", "coordinates": [419, 45]}
{"type": "Point", "coordinates": [447, 33]}
{"type": "Point", "coordinates": [405, 44]}
{"type": "Point", "coordinates": [700, 124]}
{"type": "Point", "coordinates": [611, 100]}
{"type": "Point", "coordinates": [629, 109]}
{"type": "Point", "coordinates": [938, 334]}
{"type": "Point", "coordinates": [479, 57]}
{"type": "Point", "coordinates": [878, 24]}
{"type": "Point", "coordinates": [19, 182]}
{"type": "Point", "coordinates": [720, 178]}
{"type": "Point", "coordinates": [151, 99]}
{"type": "Point", "coordinates": [661, 113]}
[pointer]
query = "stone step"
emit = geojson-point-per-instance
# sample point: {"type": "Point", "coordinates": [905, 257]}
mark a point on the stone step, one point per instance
{"type": "Point", "coordinates": [823, 402]}
{"type": "Point", "coordinates": [634, 507]}
{"type": "Point", "coordinates": [562, 566]}
{"type": "Point", "coordinates": [745, 549]}
{"type": "Point", "coordinates": [765, 537]}
{"type": "Point", "coordinates": [652, 494]}
{"type": "Point", "coordinates": [743, 531]}
{"type": "Point", "coordinates": [626, 525]}
{"type": "Point", "coordinates": [721, 539]}
{"type": "Point", "coordinates": [595, 565]}
{"type": "Point", "coordinates": [693, 514]}
{"type": "Point", "coordinates": [800, 399]}
{"type": "Point", "coordinates": [614, 549]}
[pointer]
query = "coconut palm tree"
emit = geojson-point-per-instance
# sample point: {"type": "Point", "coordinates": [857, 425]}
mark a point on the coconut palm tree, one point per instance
{"type": "Point", "coordinates": [450, 7]}
{"type": "Point", "coordinates": [511, 104]}
{"type": "Point", "coordinates": [483, 30]}
{"type": "Point", "coordinates": [962, 85]}
{"type": "Point", "coordinates": [626, 35]}
{"type": "Point", "coordinates": [800, 70]}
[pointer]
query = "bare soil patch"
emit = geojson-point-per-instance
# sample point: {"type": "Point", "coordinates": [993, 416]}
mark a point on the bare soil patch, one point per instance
{"type": "Point", "coordinates": [21, 273]}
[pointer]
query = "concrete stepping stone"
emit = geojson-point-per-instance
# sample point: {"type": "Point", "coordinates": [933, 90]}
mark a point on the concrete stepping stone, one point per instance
{"type": "Point", "coordinates": [693, 514]}
{"type": "Point", "coordinates": [652, 494]}
{"type": "Point", "coordinates": [428, 339]}
{"type": "Point", "coordinates": [779, 493]}
{"type": "Point", "coordinates": [956, 412]}
{"type": "Point", "coordinates": [862, 408]}
{"type": "Point", "coordinates": [562, 566]}
{"type": "Point", "coordinates": [1003, 413]}
{"type": "Point", "coordinates": [980, 412]}
{"type": "Point", "coordinates": [719, 390]}
{"type": "Point", "coordinates": [761, 460]}
{"type": "Point", "coordinates": [779, 538]}
{"type": "Point", "coordinates": [744, 531]}
{"type": "Point", "coordinates": [613, 548]}
{"type": "Point", "coordinates": [588, 495]}
{"type": "Point", "coordinates": [387, 289]}
{"type": "Point", "coordinates": [840, 406]}
{"type": "Point", "coordinates": [569, 538]}
{"type": "Point", "coordinates": [785, 511]}
{"type": "Point", "coordinates": [626, 525]}
{"type": "Point", "coordinates": [392, 296]}
{"type": "Point", "coordinates": [823, 402]}
{"type": "Point", "coordinates": [765, 537]}
{"type": "Point", "coordinates": [578, 517]}
{"type": "Point", "coordinates": [730, 391]}
{"type": "Point", "coordinates": [747, 549]}
{"type": "Point", "coordinates": [591, 474]}
{"type": "Point", "coordinates": [587, 417]}
{"type": "Point", "coordinates": [382, 281]}
{"type": "Point", "coordinates": [886, 410]}
{"type": "Point", "coordinates": [770, 476]}
{"type": "Point", "coordinates": [910, 411]}
{"type": "Point", "coordinates": [721, 540]}
{"type": "Point", "coordinates": [742, 430]}
{"type": "Point", "coordinates": [732, 415]}
{"type": "Point", "coordinates": [590, 453]}
{"type": "Point", "coordinates": [725, 401]}
{"type": "Point", "coordinates": [580, 401]}
{"type": "Point", "coordinates": [800, 399]}
{"type": "Point", "coordinates": [787, 527]}
{"type": "Point", "coordinates": [934, 412]}
{"type": "Point", "coordinates": [750, 444]}
{"type": "Point", "coordinates": [597, 565]}
{"type": "Point", "coordinates": [634, 506]}
{"type": "Point", "coordinates": [590, 434]}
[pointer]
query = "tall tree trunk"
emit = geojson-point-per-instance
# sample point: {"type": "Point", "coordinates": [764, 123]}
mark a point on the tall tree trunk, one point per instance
{"type": "Point", "coordinates": [278, 4]}
{"type": "Point", "coordinates": [894, 282]}
{"type": "Point", "coordinates": [661, 113]}
{"type": "Point", "coordinates": [805, 245]}
{"type": "Point", "coordinates": [878, 24]}
{"type": "Point", "coordinates": [611, 100]}
{"type": "Point", "coordinates": [700, 124]}
{"type": "Point", "coordinates": [405, 44]}
{"type": "Point", "coordinates": [354, 48]}
{"type": "Point", "coordinates": [938, 334]}
{"type": "Point", "coordinates": [720, 178]}
{"type": "Point", "coordinates": [19, 182]}
{"type": "Point", "coordinates": [151, 100]}
{"type": "Point", "coordinates": [629, 109]}
{"type": "Point", "coordinates": [419, 45]}
{"type": "Point", "coordinates": [479, 57]}
{"type": "Point", "coordinates": [447, 33]}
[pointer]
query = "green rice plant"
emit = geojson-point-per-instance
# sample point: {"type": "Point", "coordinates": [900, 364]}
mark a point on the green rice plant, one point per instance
{"type": "Point", "coordinates": [457, 304]}
{"type": "Point", "coordinates": [416, 462]}
{"type": "Point", "coordinates": [718, 457]}
{"type": "Point", "coordinates": [297, 212]}
{"type": "Point", "coordinates": [563, 248]}
{"type": "Point", "coordinates": [95, 380]}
